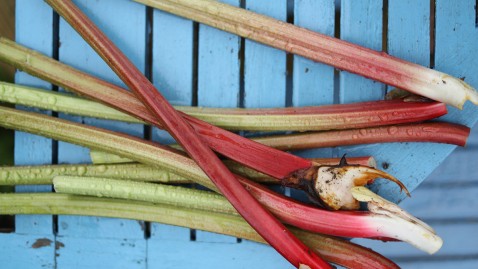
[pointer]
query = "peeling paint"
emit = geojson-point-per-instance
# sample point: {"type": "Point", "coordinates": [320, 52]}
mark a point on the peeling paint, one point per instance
{"type": "Point", "coordinates": [59, 245]}
{"type": "Point", "coordinates": [42, 242]}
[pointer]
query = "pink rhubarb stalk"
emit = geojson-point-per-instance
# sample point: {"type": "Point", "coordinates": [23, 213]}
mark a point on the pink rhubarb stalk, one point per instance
{"type": "Point", "coordinates": [321, 48]}
{"type": "Point", "coordinates": [438, 132]}
{"type": "Point", "coordinates": [258, 217]}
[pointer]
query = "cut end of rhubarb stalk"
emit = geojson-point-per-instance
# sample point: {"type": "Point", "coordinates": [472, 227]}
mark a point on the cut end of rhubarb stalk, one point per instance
{"type": "Point", "coordinates": [400, 224]}
{"type": "Point", "coordinates": [469, 92]}
{"type": "Point", "coordinates": [333, 184]}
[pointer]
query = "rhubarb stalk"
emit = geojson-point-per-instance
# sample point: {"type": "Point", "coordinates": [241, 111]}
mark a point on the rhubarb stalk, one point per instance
{"type": "Point", "coordinates": [347, 224]}
{"type": "Point", "coordinates": [344, 116]}
{"type": "Point", "coordinates": [258, 217]}
{"type": "Point", "coordinates": [438, 132]}
{"type": "Point", "coordinates": [337, 251]}
{"type": "Point", "coordinates": [44, 174]}
{"type": "Point", "coordinates": [321, 48]}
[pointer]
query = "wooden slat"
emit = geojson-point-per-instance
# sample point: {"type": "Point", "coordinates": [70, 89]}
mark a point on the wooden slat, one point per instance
{"type": "Point", "coordinates": [313, 83]}
{"type": "Point", "coordinates": [409, 32]}
{"type": "Point", "coordinates": [444, 202]}
{"type": "Point", "coordinates": [265, 67]}
{"type": "Point", "coordinates": [172, 73]}
{"type": "Point", "coordinates": [360, 23]}
{"type": "Point", "coordinates": [84, 236]}
{"type": "Point", "coordinates": [26, 251]}
{"type": "Point", "coordinates": [175, 254]}
{"type": "Point", "coordinates": [218, 82]}
{"type": "Point", "coordinates": [218, 70]}
{"type": "Point", "coordinates": [101, 252]}
{"type": "Point", "coordinates": [34, 30]}
{"type": "Point", "coordinates": [33, 25]}
{"type": "Point", "coordinates": [458, 167]}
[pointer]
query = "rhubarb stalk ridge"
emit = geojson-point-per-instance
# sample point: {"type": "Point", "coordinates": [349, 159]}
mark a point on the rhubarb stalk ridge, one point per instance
{"type": "Point", "coordinates": [397, 223]}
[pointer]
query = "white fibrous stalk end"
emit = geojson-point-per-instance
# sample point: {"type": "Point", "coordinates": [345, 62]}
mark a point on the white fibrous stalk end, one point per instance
{"type": "Point", "coordinates": [397, 223]}
{"type": "Point", "coordinates": [448, 89]}
{"type": "Point", "coordinates": [333, 184]}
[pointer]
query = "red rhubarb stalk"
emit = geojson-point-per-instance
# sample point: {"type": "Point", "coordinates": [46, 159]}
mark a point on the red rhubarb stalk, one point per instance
{"type": "Point", "coordinates": [321, 48]}
{"type": "Point", "coordinates": [258, 217]}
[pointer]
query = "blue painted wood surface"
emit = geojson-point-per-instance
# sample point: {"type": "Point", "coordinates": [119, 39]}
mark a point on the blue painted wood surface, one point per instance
{"type": "Point", "coordinates": [203, 66]}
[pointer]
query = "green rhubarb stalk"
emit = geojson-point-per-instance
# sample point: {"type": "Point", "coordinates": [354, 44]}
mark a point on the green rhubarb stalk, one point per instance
{"type": "Point", "coordinates": [334, 250]}
{"type": "Point", "coordinates": [276, 119]}
{"type": "Point", "coordinates": [100, 157]}
{"type": "Point", "coordinates": [107, 167]}
{"type": "Point", "coordinates": [143, 191]}
{"type": "Point", "coordinates": [321, 48]}
{"type": "Point", "coordinates": [44, 174]}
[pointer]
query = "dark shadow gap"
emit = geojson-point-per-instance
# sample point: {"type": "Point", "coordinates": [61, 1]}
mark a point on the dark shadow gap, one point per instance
{"type": "Point", "coordinates": [335, 151]}
{"type": "Point", "coordinates": [7, 74]}
{"type": "Point", "coordinates": [432, 32]}
{"type": "Point", "coordinates": [194, 100]}
{"type": "Point", "coordinates": [54, 143]}
{"type": "Point", "coordinates": [55, 55]}
{"type": "Point", "coordinates": [476, 13]}
{"type": "Point", "coordinates": [195, 95]}
{"type": "Point", "coordinates": [385, 37]}
{"type": "Point", "coordinates": [289, 81]}
{"type": "Point", "coordinates": [148, 72]}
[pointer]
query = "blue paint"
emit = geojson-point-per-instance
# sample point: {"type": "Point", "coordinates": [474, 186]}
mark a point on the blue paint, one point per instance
{"type": "Point", "coordinates": [360, 23]}
{"type": "Point", "coordinates": [265, 67]}
{"type": "Point", "coordinates": [27, 251]}
{"type": "Point", "coordinates": [313, 83]}
{"type": "Point", "coordinates": [177, 254]}
{"type": "Point", "coordinates": [409, 32]}
{"type": "Point", "coordinates": [33, 30]}
{"type": "Point", "coordinates": [218, 67]}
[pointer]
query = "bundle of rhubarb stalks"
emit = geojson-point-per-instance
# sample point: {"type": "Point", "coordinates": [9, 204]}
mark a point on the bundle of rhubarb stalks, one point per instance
{"type": "Point", "coordinates": [132, 178]}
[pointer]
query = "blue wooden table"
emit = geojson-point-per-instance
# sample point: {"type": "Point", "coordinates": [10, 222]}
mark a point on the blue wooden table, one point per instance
{"type": "Point", "coordinates": [197, 65]}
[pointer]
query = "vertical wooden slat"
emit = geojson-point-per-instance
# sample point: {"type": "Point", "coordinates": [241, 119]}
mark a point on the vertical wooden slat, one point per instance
{"type": "Point", "coordinates": [313, 83]}
{"type": "Point", "coordinates": [265, 67]}
{"type": "Point", "coordinates": [218, 81]}
{"type": "Point", "coordinates": [34, 30]}
{"type": "Point", "coordinates": [360, 23]}
{"type": "Point", "coordinates": [172, 71]}
{"type": "Point", "coordinates": [121, 242]}
{"type": "Point", "coordinates": [33, 26]}
{"type": "Point", "coordinates": [218, 70]}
